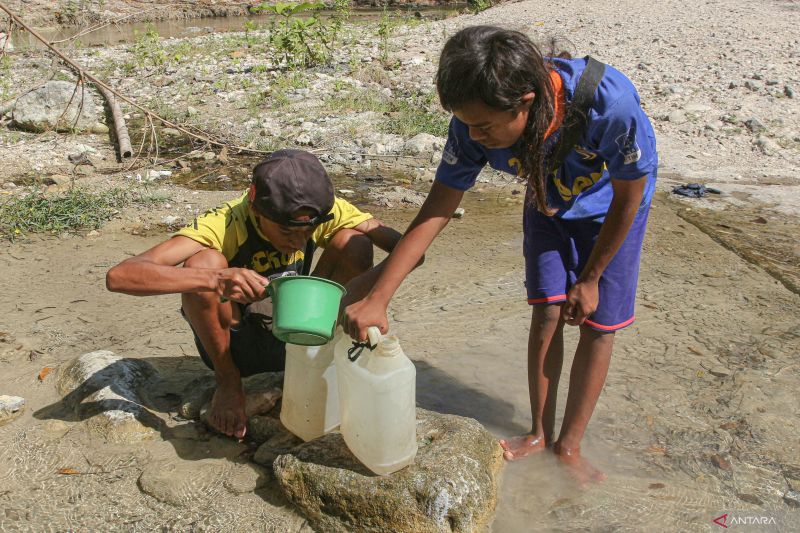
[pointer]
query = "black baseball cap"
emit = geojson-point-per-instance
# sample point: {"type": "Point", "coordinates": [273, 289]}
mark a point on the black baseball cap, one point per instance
{"type": "Point", "coordinates": [290, 180]}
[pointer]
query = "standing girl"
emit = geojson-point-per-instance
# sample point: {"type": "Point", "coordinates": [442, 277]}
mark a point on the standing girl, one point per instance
{"type": "Point", "coordinates": [584, 218]}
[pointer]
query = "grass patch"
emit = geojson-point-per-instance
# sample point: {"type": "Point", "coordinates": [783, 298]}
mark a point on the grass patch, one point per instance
{"type": "Point", "coordinates": [359, 101]}
{"type": "Point", "coordinates": [417, 114]}
{"type": "Point", "coordinates": [71, 210]}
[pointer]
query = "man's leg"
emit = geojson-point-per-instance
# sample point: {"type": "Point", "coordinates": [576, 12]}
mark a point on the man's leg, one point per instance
{"type": "Point", "coordinates": [348, 254]}
{"type": "Point", "coordinates": [586, 380]}
{"type": "Point", "coordinates": [211, 321]}
{"type": "Point", "coordinates": [545, 358]}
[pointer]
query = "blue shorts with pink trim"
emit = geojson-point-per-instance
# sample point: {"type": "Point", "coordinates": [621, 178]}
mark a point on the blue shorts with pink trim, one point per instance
{"type": "Point", "coordinates": [556, 251]}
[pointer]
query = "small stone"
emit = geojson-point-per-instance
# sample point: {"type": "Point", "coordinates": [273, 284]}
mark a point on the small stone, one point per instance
{"type": "Point", "coordinates": [792, 498]}
{"type": "Point", "coordinates": [767, 145]}
{"type": "Point", "coordinates": [10, 408]}
{"type": "Point", "coordinates": [93, 233]}
{"type": "Point", "coordinates": [346, 192]}
{"type": "Point", "coordinates": [99, 128]}
{"type": "Point", "coordinates": [459, 213]}
{"type": "Point", "coordinates": [750, 498]}
{"type": "Point", "coordinates": [719, 372]}
{"type": "Point", "coordinates": [170, 132]}
{"type": "Point", "coordinates": [754, 125]}
{"type": "Point", "coordinates": [676, 117]}
{"type": "Point", "coordinates": [720, 462]}
{"type": "Point", "coordinates": [753, 85]}
{"type": "Point", "coordinates": [192, 112]}
{"type": "Point", "coordinates": [788, 91]}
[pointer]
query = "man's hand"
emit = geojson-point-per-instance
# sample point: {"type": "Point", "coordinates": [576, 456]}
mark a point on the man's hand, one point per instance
{"type": "Point", "coordinates": [241, 285]}
{"type": "Point", "coordinates": [582, 301]}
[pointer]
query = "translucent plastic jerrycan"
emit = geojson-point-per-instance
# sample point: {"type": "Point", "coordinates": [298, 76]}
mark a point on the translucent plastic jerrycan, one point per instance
{"type": "Point", "coordinates": [377, 400]}
{"type": "Point", "coordinates": [310, 406]}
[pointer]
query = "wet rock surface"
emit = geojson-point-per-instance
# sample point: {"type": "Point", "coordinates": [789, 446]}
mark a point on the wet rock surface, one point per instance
{"type": "Point", "coordinates": [452, 485]}
{"type": "Point", "coordinates": [102, 389]}
{"type": "Point", "coordinates": [10, 408]}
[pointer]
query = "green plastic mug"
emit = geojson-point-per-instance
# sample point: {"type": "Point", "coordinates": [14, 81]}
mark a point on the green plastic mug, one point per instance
{"type": "Point", "coordinates": [304, 309]}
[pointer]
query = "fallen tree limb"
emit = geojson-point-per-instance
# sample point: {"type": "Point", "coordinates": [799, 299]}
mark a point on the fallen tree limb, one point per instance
{"type": "Point", "coordinates": [123, 139]}
{"type": "Point", "coordinates": [149, 115]}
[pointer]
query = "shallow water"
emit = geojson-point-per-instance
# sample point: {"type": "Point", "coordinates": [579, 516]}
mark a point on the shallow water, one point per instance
{"type": "Point", "coordinates": [192, 27]}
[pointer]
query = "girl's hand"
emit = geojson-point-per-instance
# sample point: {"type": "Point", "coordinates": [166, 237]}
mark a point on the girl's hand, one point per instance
{"type": "Point", "coordinates": [359, 316]}
{"type": "Point", "coordinates": [581, 302]}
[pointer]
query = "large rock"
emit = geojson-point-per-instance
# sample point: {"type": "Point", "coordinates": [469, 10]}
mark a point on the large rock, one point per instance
{"type": "Point", "coordinates": [43, 109]}
{"type": "Point", "coordinates": [102, 389]}
{"type": "Point", "coordinates": [452, 486]}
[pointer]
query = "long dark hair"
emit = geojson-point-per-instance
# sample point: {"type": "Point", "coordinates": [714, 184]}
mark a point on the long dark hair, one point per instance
{"type": "Point", "coordinates": [498, 67]}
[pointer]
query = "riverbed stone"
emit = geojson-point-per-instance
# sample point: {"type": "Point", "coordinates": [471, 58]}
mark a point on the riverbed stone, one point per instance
{"type": "Point", "coordinates": [451, 487]}
{"type": "Point", "coordinates": [102, 389]}
{"type": "Point", "coordinates": [182, 483]}
{"type": "Point", "coordinates": [423, 143]}
{"type": "Point", "coordinates": [10, 408]}
{"type": "Point", "coordinates": [44, 108]}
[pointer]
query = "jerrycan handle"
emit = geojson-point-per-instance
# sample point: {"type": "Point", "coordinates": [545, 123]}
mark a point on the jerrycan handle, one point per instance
{"type": "Point", "coordinates": [373, 339]}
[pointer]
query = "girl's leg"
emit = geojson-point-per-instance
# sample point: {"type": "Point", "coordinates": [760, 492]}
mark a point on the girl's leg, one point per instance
{"type": "Point", "coordinates": [586, 380]}
{"type": "Point", "coordinates": [545, 357]}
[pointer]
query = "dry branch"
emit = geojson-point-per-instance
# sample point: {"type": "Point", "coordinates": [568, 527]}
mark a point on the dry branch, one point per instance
{"type": "Point", "coordinates": [123, 139]}
{"type": "Point", "coordinates": [101, 85]}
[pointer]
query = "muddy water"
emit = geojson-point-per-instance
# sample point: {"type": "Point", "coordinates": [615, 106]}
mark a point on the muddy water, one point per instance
{"type": "Point", "coordinates": [182, 28]}
{"type": "Point", "coordinates": [756, 234]}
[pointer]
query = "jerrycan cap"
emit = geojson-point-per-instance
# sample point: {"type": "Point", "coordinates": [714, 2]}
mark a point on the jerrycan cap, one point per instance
{"type": "Point", "coordinates": [374, 338]}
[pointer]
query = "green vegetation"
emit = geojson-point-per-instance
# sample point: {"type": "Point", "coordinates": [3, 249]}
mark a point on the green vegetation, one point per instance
{"type": "Point", "coordinates": [416, 114]}
{"type": "Point", "coordinates": [299, 36]}
{"type": "Point", "coordinates": [406, 116]}
{"type": "Point", "coordinates": [148, 50]}
{"type": "Point", "coordinates": [6, 82]}
{"type": "Point", "coordinates": [358, 101]}
{"type": "Point", "coordinates": [275, 95]}
{"type": "Point", "coordinates": [385, 27]}
{"type": "Point", "coordinates": [74, 209]}
{"type": "Point", "coordinates": [476, 6]}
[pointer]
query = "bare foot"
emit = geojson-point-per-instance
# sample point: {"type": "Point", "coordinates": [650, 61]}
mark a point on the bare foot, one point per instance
{"type": "Point", "coordinates": [581, 469]}
{"type": "Point", "coordinates": [519, 447]}
{"type": "Point", "coordinates": [227, 409]}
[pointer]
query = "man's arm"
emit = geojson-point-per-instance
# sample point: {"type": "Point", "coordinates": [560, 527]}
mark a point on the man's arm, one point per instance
{"type": "Point", "coordinates": [583, 298]}
{"type": "Point", "coordinates": [156, 271]}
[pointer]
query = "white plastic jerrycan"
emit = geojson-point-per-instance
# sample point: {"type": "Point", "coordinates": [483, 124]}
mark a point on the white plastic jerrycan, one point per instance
{"type": "Point", "coordinates": [310, 405]}
{"type": "Point", "coordinates": [377, 400]}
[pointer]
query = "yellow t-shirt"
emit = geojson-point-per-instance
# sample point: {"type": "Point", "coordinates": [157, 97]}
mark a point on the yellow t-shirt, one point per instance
{"type": "Point", "coordinates": [233, 230]}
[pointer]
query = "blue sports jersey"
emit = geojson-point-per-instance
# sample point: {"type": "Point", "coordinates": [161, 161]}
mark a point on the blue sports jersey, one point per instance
{"type": "Point", "coordinates": [619, 142]}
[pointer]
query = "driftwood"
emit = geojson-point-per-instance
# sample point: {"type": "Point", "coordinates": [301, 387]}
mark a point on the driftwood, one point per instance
{"type": "Point", "coordinates": [123, 139]}
{"type": "Point", "coordinates": [149, 115]}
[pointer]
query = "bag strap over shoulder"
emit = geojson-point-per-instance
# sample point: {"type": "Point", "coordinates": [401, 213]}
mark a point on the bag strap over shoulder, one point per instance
{"type": "Point", "coordinates": [578, 111]}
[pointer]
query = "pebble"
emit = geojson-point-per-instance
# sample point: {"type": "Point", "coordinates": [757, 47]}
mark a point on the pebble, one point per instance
{"type": "Point", "coordinates": [792, 498]}
{"type": "Point", "coordinates": [459, 213]}
{"type": "Point", "coordinates": [10, 407]}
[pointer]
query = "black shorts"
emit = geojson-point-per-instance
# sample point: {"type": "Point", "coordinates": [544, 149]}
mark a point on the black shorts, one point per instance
{"type": "Point", "coordinates": [253, 346]}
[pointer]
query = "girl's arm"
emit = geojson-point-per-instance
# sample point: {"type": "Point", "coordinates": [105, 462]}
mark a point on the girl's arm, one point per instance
{"type": "Point", "coordinates": [583, 296]}
{"type": "Point", "coordinates": [433, 216]}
